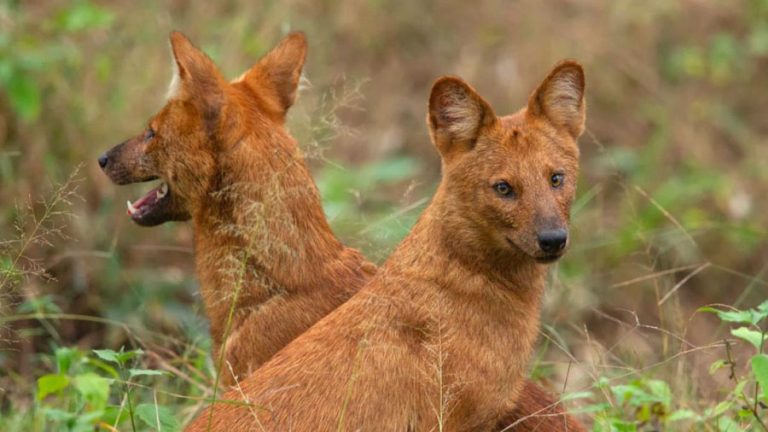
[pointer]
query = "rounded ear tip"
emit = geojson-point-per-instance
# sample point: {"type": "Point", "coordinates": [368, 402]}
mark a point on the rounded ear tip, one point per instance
{"type": "Point", "coordinates": [298, 38]}
{"type": "Point", "coordinates": [447, 83]}
{"type": "Point", "coordinates": [571, 66]}
{"type": "Point", "coordinates": [448, 80]}
{"type": "Point", "coordinates": [298, 35]}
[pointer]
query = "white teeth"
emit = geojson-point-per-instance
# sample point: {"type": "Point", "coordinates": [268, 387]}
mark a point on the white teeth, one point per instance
{"type": "Point", "coordinates": [131, 208]}
{"type": "Point", "coordinates": [162, 191]}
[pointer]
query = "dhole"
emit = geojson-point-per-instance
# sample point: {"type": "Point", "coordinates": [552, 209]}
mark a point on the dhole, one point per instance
{"type": "Point", "coordinates": [439, 339]}
{"type": "Point", "coordinates": [227, 162]}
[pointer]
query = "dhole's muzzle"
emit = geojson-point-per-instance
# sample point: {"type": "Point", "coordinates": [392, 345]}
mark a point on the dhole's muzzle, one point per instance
{"type": "Point", "coordinates": [127, 163]}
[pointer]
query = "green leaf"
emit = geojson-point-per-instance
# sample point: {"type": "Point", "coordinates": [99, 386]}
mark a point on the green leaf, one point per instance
{"type": "Point", "coordinates": [107, 354]}
{"type": "Point", "coordinates": [752, 336]}
{"type": "Point", "coordinates": [760, 369]}
{"type": "Point", "coordinates": [726, 424]}
{"type": "Point", "coordinates": [66, 357]}
{"type": "Point", "coordinates": [58, 415]}
{"type": "Point", "coordinates": [720, 408]}
{"type": "Point", "coordinates": [716, 366]}
{"type": "Point", "coordinates": [142, 372]}
{"type": "Point", "coordinates": [119, 357]}
{"type": "Point", "coordinates": [93, 388]}
{"type": "Point", "coordinates": [51, 383]}
{"type": "Point", "coordinates": [750, 316]}
{"type": "Point", "coordinates": [683, 414]}
{"type": "Point", "coordinates": [158, 417]}
{"type": "Point", "coordinates": [738, 316]}
{"type": "Point", "coordinates": [661, 390]}
{"type": "Point", "coordinates": [761, 312]}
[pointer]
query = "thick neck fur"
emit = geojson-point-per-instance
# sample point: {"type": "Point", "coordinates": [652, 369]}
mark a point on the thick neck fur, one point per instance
{"type": "Point", "coordinates": [260, 231]}
{"type": "Point", "coordinates": [441, 238]}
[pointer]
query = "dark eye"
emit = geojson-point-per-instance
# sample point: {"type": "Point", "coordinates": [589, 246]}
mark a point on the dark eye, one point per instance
{"type": "Point", "coordinates": [149, 134]}
{"type": "Point", "coordinates": [557, 180]}
{"type": "Point", "coordinates": [503, 188]}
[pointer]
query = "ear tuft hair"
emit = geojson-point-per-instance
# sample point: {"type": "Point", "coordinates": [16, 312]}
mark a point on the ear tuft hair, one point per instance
{"type": "Point", "coordinates": [277, 74]}
{"type": "Point", "coordinates": [456, 115]}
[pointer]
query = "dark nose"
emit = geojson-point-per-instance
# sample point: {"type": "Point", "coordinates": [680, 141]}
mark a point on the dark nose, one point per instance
{"type": "Point", "coordinates": [103, 159]}
{"type": "Point", "coordinates": [551, 241]}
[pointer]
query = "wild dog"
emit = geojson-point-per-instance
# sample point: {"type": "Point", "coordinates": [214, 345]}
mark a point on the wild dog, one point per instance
{"type": "Point", "coordinates": [264, 251]}
{"type": "Point", "coordinates": [440, 337]}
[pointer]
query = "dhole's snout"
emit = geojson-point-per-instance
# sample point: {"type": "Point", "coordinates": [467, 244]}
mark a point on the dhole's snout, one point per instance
{"type": "Point", "coordinates": [128, 163]}
{"type": "Point", "coordinates": [125, 164]}
{"type": "Point", "coordinates": [552, 241]}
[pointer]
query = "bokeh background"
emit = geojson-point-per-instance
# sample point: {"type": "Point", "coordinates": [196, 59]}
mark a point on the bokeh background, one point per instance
{"type": "Point", "coordinates": [671, 214]}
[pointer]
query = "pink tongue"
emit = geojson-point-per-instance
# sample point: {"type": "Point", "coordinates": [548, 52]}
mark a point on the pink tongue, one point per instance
{"type": "Point", "coordinates": [147, 200]}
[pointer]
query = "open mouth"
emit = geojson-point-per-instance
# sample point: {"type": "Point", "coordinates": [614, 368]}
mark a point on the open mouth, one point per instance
{"type": "Point", "coordinates": [142, 210]}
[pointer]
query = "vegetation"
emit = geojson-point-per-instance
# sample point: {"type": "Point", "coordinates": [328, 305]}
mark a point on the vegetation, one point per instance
{"type": "Point", "coordinates": [656, 319]}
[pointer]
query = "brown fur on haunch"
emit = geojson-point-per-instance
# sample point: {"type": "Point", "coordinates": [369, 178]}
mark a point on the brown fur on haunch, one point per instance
{"type": "Point", "coordinates": [441, 336]}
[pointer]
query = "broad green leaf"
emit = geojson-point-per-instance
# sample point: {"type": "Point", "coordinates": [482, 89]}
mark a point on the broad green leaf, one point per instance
{"type": "Point", "coordinates": [760, 369]}
{"type": "Point", "coordinates": [66, 357]}
{"type": "Point", "coordinates": [752, 336]}
{"type": "Point", "coordinates": [107, 354]}
{"type": "Point", "coordinates": [93, 388]}
{"type": "Point", "coordinates": [158, 417]}
{"type": "Point", "coordinates": [661, 390]}
{"type": "Point", "coordinates": [737, 316]}
{"type": "Point", "coordinates": [51, 383]}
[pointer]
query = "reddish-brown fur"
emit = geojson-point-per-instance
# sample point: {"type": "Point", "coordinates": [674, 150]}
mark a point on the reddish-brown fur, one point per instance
{"type": "Point", "coordinates": [219, 181]}
{"type": "Point", "coordinates": [260, 233]}
{"type": "Point", "coordinates": [440, 337]}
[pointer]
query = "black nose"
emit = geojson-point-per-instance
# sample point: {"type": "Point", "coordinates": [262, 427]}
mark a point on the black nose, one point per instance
{"type": "Point", "coordinates": [551, 241]}
{"type": "Point", "coordinates": [103, 159]}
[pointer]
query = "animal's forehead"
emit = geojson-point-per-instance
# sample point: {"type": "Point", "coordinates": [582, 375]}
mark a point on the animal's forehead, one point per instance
{"type": "Point", "coordinates": [518, 144]}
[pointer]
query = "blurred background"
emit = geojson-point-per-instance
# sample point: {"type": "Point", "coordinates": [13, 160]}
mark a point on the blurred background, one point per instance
{"type": "Point", "coordinates": [671, 214]}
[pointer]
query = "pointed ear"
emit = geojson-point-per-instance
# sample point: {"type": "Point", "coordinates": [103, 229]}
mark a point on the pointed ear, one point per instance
{"type": "Point", "coordinates": [560, 98]}
{"type": "Point", "coordinates": [277, 73]}
{"type": "Point", "coordinates": [195, 77]}
{"type": "Point", "coordinates": [457, 114]}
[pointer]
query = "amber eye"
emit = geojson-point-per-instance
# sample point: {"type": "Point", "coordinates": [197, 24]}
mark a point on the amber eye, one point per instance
{"type": "Point", "coordinates": [557, 180]}
{"type": "Point", "coordinates": [503, 188]}
{"type": "Point", "coordinates": [149, 134]}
